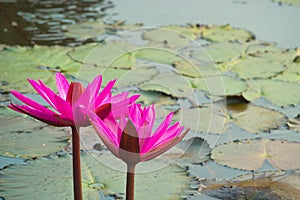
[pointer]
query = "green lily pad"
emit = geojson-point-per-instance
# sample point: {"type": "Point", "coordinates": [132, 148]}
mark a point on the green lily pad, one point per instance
{"type": "Point", "coordinates": [151, 97]}
{"type": "Point", "coordinates": [290, 74]}
{"type": "Point", "coordinates": [206, 120]}
{"type": "Point", "coordinates": [19, 63]}
{"type": "Point", "coordinates": [86, 30]}
{"type": "Point", "coordinates": [125, 78]}
{"type": "Point", "coordinates": [192, 151]}
{"type": "Point", "coordinates": [253, 67]}
{"type": "Point", "coordinates": [158, 55]}
{"type": "Point", "coordinates": [221, 52]}
{"type": "Point", "coordinates": [51, 178]}
{"type": "Point", "coordinates": [290, 2]}
{"type": "Point", "coordinates": [190, 31]}
{"type": "Point", "coordinates": [29, 138]}
{"type": "Point", "coordinates": [165, 38]}
{"type": "Point", "coordinates": [226, 33]}
{"type": "Point", "coordinates": [219, 85]}
{"type": "Point", "coordinates": [111, 53]}
{"type": "Point", "coordinates": [255, 119]}
{"type": "Point", "coordinates": [169, 83]}
{"type": "Point", "coordinates": [278, 92]}
{"type": "Point", "coordinates": [253, 153]}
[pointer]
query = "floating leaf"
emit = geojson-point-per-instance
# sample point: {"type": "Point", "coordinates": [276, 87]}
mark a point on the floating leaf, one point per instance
{"type": "Point", "coordinates": [135, 77]}
{"type": "Point", "coordinates": [255, 119]}
{"type": "Point", "coordinates": [169, 83]}
{"type": "Point", "coordinates": [274, 185]}
{"type": "Point", "coordinates": [158, 55]}
{"type": "Point", "coordinates": [206, 120]}
{"type": "Point", "coordinates": [28, 138]}
{"type": "Point", "coordinates": [226, 33]}
{"type": "Point", "coordinates": [86, 30]}
{"type": "Point", "coordinates": [221, 52]}
{"type": "Point", "coordinates": [294, 124]}
{"type": "Point", "coordinates": [189, 31]}
{"type": "Point", "coordinates": [192, 151]}
{"type": "Point", "coordinates": [151, 97]}
{"type": "Point", "coordinates": [111, 53]}
{"type": "Point", "coordinates": [165, 38]}
{"type": "Point", "coordinates": [252, 154]}
{"type": "Point", "coordinates": [51, 178]}
{"type": "Point", "coordinates": [220, 85]}
{"type": "Point", "coordinates": [19, 63]}
{"type": "Point", "coordinates": [195, 69]}
{"type": "Point", "coordinates": [278, 92]}
{"type": "Point", "coordinates": [125, 78]}
{"type": "Point", "coordinates": [290, 74]}
{"type": "Point", "coordinates": [253, 67]}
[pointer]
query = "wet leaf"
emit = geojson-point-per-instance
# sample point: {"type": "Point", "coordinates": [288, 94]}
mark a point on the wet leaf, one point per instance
{"type": "Point", "coordinates": [27, 138]}
{"type": "Point", "coordinates": [51, 177]}
{"type": "Point", "coordinates": [274, 90]}
{"type": "Point", "coordinates": [219, 85]}
{"type": "Point", "coordinates": [86, 30]}
{"type": "Point", "coordinates": [225, 33]}
{"type": "Point", "coordinates": [294, 124]}
{"type": "Point", "coordinates": [192, 151]}
{"type": "Point", "coordinates": [134, 77]}
{"type": "Point", "coordinates": [165, 38]}
{"type": "Point", "coordinates": [111, 53]}
{"type": "Point", "coordinates": [206, 120]}
{"type": "Point", "coordinates": [158, 55]}
{"type": "Point", "coordinates": [169, 83]}
{"type": "Point", "coordinates": [255, 119]}
{"type": "Point", "coordinates": [253, 67]}
{"type": "Point", "coordinates": [221, 52]}
{"type": "Point", "coordinates": [190, 31]}
{"type": "Point", "coordinates": [252, 154]}
{"type": "Point", "coordinates": [272, 185]}
{"type": "Point", "coordinates": [19, 63]}
{"type": "Point", "coordinates": [151, 97]}
{"type": "Point", "coordinates": [290, 74]}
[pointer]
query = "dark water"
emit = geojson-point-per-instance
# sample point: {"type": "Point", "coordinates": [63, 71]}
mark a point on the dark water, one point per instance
{"type": "Point", "coordinates": [28, 22]}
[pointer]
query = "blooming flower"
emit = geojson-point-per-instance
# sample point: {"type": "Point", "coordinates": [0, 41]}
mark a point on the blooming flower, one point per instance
{"type": "Point", "coordinates": [72, 102]}
{"type": "Point", "coordinates": [132, 139]}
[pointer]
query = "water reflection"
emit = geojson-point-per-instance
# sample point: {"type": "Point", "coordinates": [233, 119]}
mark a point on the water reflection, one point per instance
{"type": "Point", "coordinates": [45, 22]}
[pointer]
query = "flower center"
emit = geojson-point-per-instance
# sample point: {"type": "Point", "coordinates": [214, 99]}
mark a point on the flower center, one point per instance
{"type": "Point", "coordinates": [75, 91]}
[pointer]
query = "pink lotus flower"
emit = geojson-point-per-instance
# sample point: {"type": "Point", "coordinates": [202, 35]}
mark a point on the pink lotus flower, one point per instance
{"type": "Point", "coordinates": [72, 103]}
{"type": "Point", "coordinates": [132, 139]}
{"type": "Point", "coordinates": [70, 108]}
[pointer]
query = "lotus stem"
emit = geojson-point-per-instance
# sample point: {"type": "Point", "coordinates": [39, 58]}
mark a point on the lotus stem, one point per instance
{"type": "Point", "coordinates": [130, 182]}
{"type": "Point", "coordinates": [76, 164]}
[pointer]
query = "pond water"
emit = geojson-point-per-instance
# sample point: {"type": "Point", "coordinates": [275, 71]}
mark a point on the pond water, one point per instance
{"type": "Point", "coordinates": [253, 120]}
{"type": "Point", "coordinates": [268, 20]}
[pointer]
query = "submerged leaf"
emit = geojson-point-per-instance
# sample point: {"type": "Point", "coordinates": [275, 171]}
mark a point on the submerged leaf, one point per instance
{"type": "Point", "coordinates": [27, 138]}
